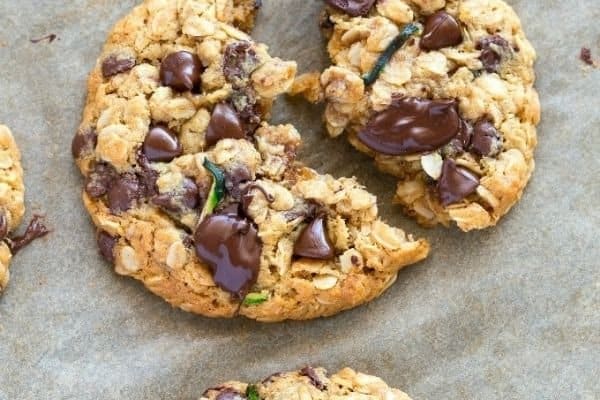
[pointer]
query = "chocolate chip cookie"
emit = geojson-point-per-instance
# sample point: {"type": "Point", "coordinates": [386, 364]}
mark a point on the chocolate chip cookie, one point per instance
{"type": "Point", "coordinates": [440, 93]}
{"type": "Point", "coordinates": [195, 195]}
{"type": "Point", "coordinates": [12, 205]}
{"type": "Point", "coordinates": [308, 383]}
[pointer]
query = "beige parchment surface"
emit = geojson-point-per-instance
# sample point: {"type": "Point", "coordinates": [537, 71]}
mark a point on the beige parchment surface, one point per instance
{"type": "Point", "coordinates": [508, 313]}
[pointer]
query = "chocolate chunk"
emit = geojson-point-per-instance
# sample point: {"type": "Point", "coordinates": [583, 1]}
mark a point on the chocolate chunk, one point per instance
{"type": "Point", "coordinates": [246, 104]}
{"type": "Point", "coordinates": [106, 245]}
{"type": "Point", "coordinates": [124, 192]}
{"type": "Point", "coordinates": [235, 180]}
{"type": "Point", "coordinates": [161, 144]}
{"type": "Point", "coordinates": [146, 175]}
{"type": "Point", "coordinates": [314, 242]}
{"type": "Point", "coordinates": [113, 65]}
{"type": "Point", "coordinates": [3, 225]}
{"type": "Point", "coordinates": [84, 143]}
{"type": "Point", "coordinates": [353, 8]}
{"type": "Point", "coordinates": [412, 125]}
{"type": "Point", "coordinates": [35, 230]}
{"type": "Point", "coordinates": [456, 183]}
{"type": "Point", "coordinates": [181, 71]}
{"type": "Point", "coordinates": [100, 180]}
{"type": "Point", "coordinates": [239, 61]}
{"type": "Point", "coordinates": [461, 142]}
{"type": "Point", "coordinates": [585, 55]}
{"type": "Point", "coordinates": [183, 199]}
{"type": "Point", "coordinates": [231, 247]}
{"type": "Point", "coordinates": [493, 48]}
{"type": "Point", "coordinates": [486, 140]}
{"type": "Point", "coordinates": [225, 123]}
{"type": "Point", "coordinates": [314, 378]}
{"type": "Point", "coordinates": [230, 394]}
{"type": "Point", "coordinates": [441, 30]}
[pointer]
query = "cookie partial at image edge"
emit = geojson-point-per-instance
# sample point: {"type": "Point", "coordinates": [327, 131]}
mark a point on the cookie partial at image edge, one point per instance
{"type": "Point", "coordinates": [12, 207]}
{"type": "Point", "coordinates": [488, 66]}
{"type": "Point", "coordinates": [157, 241]}
{"type": "Point", "coordinates": [308, 382]}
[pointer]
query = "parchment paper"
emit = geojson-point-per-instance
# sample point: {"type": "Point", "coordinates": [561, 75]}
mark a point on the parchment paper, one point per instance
{"type": "Point", "coordinates": [508, 313]}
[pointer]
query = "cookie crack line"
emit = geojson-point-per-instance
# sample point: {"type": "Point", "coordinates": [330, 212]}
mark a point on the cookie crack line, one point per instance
{"type": "Point", "coordinates": [440, 95]}
{"type": "Point", "coordinates": [196, 195]}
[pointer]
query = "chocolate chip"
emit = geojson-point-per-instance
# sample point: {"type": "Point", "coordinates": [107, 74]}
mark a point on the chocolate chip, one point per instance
{"type": "Point", "coordinates": [441, 30]}
{"type": "Point", "coordinates": [124, 192]}
{"type": "Point", "coordinates": [146, 175]}
{"type": "Point", "coordinates": [353, 8]}
{"type": "Point", "coordinates": [183, 199]}
{"type": "Point", "coordinates": [225, 123]}
{"type": "Point", "coordinates": [99, 180]}
{"type": "Point", "coordinates": [106, 245]}
{"type": "Point", "coordinates": [314, 377]}
{"type": "Point", "coordinates": [230, 394]}
{"type": "Point", "coordinates": [84, 143]}
{"type": "Point", "coordinates": [3, 225]}
{"type": "Point", "coordinates": [239, 61]}
{"type": "Point", "coordinates": [246, 104]}
{"type": "Point", "coordinates": [113, 65]}
{"type": "Point", "coordinates": [486, 140]}
{"type": "Point", "coordinates": [493, 48]}
{"type": "Point", "coordinates": [35, 230]}
{"type": "Point", "coordinates": [181, 71]}
{"type": "Point", "coordinates": [161, 144]}
{"type": "Point", "coordinates": [231, 247]}
{"type": "Point", "coordinates": [456, 183]}
{"type": "Point", "coordinates": [314, 242]}
{"type": "Point", "coordinates": [235, 178]}
{"type": "Point", "coordinates": [412, 125]}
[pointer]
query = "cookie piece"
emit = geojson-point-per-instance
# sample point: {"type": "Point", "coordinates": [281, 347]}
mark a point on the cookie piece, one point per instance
{"type": "Point", "coordinates": [12, 192]}
{"type": "Point", "coordinates": [308, 383]}
{"type": "Point", "coordinates": [440, 94]}
{"type": "Point", "coordinates": [200, 199]}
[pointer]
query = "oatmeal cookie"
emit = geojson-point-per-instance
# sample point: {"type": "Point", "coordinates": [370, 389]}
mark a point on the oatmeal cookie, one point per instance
{"type": "Point", "coordinates": [195, 195]}
{"type": "Point", "coordinates": [308, 383]}
{"type": "Point", "coordinates": [12, 206]}
{"type": "Point", "coordinates": [440, 93]}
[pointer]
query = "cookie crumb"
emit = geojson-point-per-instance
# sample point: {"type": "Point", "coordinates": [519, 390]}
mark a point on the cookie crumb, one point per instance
{"type": "Point", "coordinates": [586, 56]}
{"type": "Point", "coordinates": [50, 38]}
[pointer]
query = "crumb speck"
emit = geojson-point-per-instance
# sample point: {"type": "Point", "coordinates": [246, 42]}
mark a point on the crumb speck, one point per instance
{"type": "Point", "coordinates": [586, 56]}
{"type": "Point", "coordinates": [50, 38]}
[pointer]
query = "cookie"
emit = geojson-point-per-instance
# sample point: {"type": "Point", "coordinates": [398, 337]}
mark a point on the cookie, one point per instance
{"type": "Point", "coordinates": [308, 383]}
{"type": "Point", "coordinates": [440, 93]}
{"type": "Point", "coordinates": [12, 206]}
{"type": "Point", "coordinates": [195, 195]}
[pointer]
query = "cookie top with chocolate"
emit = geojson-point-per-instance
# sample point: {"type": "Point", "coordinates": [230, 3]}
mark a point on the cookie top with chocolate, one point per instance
{"type": "Point", "coordinates": [195, 195]}
{"type": "Point", "coordinates": [440, 94]}
{"type": "Point", "coordinates": [308, 383]}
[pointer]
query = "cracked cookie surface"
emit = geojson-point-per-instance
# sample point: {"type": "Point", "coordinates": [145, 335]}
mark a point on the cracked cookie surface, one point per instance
{"type": "Point", "coordinates": [308, 383]}
{"type": "Point", "coordinates": [12, 205]}
{"type": "Point", "coordinates": [440, 93]}
{"type": "Point", "coordinates": [195, 195]}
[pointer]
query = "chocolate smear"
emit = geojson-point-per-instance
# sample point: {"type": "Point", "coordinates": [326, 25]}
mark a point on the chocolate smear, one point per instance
{"type": "Point", "coordinates": [412, 125]}
{"type": "Point", "coordinates": [35, 230]}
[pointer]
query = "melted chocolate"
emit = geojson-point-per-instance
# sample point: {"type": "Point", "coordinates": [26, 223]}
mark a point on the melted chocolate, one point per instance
{"type": "Point", "coordinates": [314, 378]}
{"type": "Point", "coordinates": [161, 144]}
{"type": "Point", "coordinates": [239, 61]}
{"type": "Point", "coordinates": [225, 123]}
{"type": "Point", "coordinates": [230, 245]}
{"type": "Point", "coordinates": [353, 8]}
{"type": "Point", "coordinates": [124, 192]}
{"type": "Point", "coordinates": [493, 48]}
{"type": "Point", "coordinates": [441, 30]}
{"type": "Point", "coordinates": [84, 143]}
{"type": "Point", "coordinates": [35, 230]}
{"type": "Point", "coordinates": [106, 245]}
{"type": "Point", "coordinates": [183, 199]}
{"type": "Point", "coordinates": [113, 65]}
{"type": "Point", "coordinates": [314, 242]}
{"type": "Point", "coordinates": [456, 183]}
{"type": "Point", "coordinates": [99, 180]}
{"type": "Point", "coordinates": [412, 125]}
{"type": "Point", "coordinates": [486, 140]}
{"type": "Point", "coordinates": [181, 71]}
